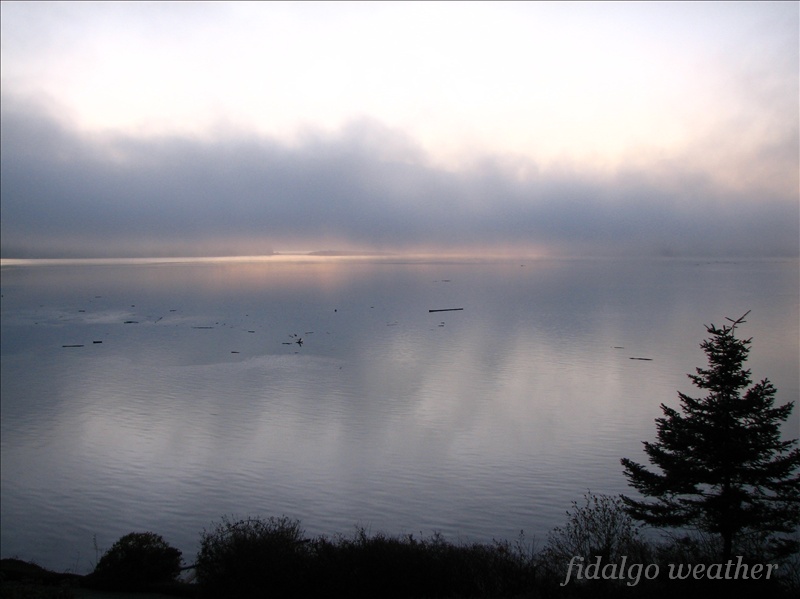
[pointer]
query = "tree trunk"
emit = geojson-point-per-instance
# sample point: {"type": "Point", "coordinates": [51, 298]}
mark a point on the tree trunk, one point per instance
{"type": "Point", "coordinates": [727, 545]}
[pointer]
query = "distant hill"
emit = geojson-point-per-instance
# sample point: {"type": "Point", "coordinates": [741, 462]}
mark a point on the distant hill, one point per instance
{"type": "Point", "coordinates": [346, 253]}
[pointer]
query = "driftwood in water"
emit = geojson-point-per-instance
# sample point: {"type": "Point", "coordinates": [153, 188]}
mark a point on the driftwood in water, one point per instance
{"type": "Point", "coordinates": [446, 310]}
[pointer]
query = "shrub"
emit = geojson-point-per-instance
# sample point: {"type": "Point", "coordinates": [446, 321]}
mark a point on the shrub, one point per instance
{"type": "Point", "coordinates": [599, 527]}
{"type": "Point", "coordinates": [263, 558]}
{"type": "Point", "coordinates": [136, 561]}
{"type": "Point", "coordinates": [403, 566]}
{"type": "Point", "coordinates": [253, 558]}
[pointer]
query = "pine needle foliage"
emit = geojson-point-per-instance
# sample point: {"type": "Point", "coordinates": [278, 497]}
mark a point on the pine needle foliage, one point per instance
{"type": "Point", "coordinates": [723, 465]}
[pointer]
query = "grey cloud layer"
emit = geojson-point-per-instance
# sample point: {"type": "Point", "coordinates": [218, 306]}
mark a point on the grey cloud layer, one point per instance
{"type": "Point", "coordinates": [65, 194]}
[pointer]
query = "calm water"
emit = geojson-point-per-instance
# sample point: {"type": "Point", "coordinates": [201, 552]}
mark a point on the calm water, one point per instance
{"type": "Point", "coordinates": [191, 399]}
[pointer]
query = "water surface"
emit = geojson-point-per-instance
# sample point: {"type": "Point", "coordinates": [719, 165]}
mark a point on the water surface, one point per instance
{"type": "Point", "coordinates": [188, 397]}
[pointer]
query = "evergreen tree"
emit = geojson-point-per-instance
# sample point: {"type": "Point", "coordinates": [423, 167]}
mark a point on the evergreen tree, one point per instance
{"type": "Point", "coordinates": [723, 466]}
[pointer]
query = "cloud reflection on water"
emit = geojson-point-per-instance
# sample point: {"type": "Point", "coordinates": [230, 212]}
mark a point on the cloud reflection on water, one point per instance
{"type": "Point", "coordinates": [488, 424]}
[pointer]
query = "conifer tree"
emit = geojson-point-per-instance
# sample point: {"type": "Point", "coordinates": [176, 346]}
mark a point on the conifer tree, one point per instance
{"type": "Point", "coordinates": [724, 468]}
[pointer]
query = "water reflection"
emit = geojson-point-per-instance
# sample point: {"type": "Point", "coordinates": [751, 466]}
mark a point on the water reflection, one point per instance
{"type": "Point", "coordinates": [477, 423]}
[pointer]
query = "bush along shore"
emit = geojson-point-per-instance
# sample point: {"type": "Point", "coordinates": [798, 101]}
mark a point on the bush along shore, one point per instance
{"type": "Point", "coordinates": [599, 552]}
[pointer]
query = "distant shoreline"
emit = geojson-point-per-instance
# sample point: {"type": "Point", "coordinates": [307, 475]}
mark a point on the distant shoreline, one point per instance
{"type": "Point", "coordinates": [316, 255]}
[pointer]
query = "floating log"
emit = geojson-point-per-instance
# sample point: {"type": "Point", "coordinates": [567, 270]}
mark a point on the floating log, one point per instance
{"type": "Point", "coordinates": [446, 310]}
{"type": "Point", "coordinates": [644, 359]}
{"type": "Point", "coordinates": [72, 346]}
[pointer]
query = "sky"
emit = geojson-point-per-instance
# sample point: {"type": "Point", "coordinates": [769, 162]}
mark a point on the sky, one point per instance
{"type": "Point", "coordinates": [530, 128]}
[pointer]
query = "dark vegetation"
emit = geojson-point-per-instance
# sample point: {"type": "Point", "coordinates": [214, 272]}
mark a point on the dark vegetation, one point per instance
{"type": "Point", "coordinates": [24, 580]}
{"type": "Point", "coordinates": [724, 468]}
{"type": "Point", "coordinates": [727, 486]}
{"type": "Point", "coordinates": [272, 557]}
{"type": "Point", "coordinates": [242, 558]}
{"type": "Point", "coordinates": [137, 561]}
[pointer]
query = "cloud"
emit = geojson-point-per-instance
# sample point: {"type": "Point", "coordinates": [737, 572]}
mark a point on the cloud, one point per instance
{"type": "Point", "coordinates": [367, 186]}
